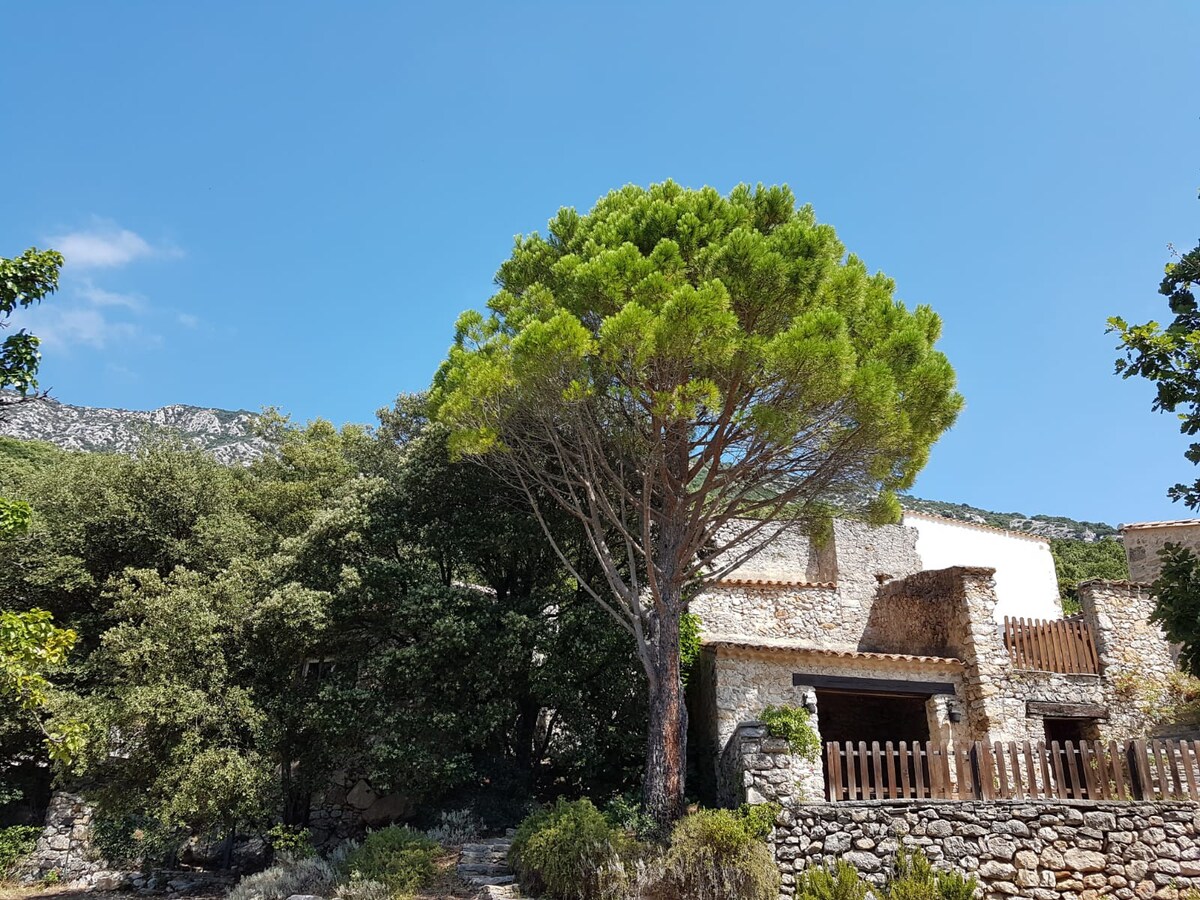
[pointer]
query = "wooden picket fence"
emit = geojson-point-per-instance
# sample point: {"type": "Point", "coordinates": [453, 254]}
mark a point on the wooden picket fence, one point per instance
{"type": "Point", "coordinates": [1074, 770]}
{"type": "Point", "coordinates": [1056, 645]}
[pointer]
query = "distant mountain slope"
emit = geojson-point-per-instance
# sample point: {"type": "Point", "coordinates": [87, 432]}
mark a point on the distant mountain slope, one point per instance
{"type": "Point", "coordinates": [227, 435]}
{"type": "Point", "coordinates": [230, 437]}
{"type": "Point", "coordinates": [1046, 526]}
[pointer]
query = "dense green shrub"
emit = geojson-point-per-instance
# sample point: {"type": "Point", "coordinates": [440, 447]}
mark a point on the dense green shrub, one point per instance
{"type": "Point", "coordinates": [571, 852]}
{"type": "Point", "coordinates": [840, 881]}
{"type": "Point", "coordinates": [291, 844]}
{"type": "Point", "coordinates": [716, 855]}
{"type": "Point", "coordinates": [792, 723]}
{"type": "Point", "coordinates": [913, 877]}
{"type": "Point", "coordinates": [399, 857]}
{"type": "Point", "coordinates": [759, 818]}
{"type": "Point", "coordinates": [16, 842]}
{"type": "Point", "coordinates": [130, 841]}
{"type": "Point", "coordinates": [626, 812]}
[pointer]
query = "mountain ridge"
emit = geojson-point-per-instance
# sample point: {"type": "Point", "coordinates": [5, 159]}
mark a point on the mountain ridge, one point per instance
{"type": "Point", "coordinates": [229, 435]}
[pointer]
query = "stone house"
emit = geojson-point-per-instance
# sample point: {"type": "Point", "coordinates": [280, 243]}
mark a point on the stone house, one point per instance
{"type": "Point", "coordinates": [915, 632]}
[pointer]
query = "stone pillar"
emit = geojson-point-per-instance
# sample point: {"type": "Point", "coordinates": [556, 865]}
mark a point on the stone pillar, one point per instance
{"type": "Point", "coordinates": [758, 768]}
{"type": "Point", "coordinates": [1136, 660]}
{"type": "Point", "coordinates": [65, 845]}
{"type": "Point", "coordinates": [989, 712]}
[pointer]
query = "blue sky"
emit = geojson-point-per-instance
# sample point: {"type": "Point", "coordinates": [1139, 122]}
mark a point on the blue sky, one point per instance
{"type": "Point", "coordinates": [290, 203]}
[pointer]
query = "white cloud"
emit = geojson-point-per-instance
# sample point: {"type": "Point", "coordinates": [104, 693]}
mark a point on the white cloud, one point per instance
{"type": "Point", "coordinates": [105, 245]}
{"type": "Point", "coordinates": [187, 320]}
{"type": "Point", "coordinates": [64, 327]}
{"type": "Point", "coordinates": [100, 297]}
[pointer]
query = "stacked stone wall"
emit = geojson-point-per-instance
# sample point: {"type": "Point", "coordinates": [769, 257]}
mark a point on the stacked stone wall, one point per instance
{"type": "Point", "coordinates": [1039, 851]}
{"type": "Point", "coordinates": [1142, 546]}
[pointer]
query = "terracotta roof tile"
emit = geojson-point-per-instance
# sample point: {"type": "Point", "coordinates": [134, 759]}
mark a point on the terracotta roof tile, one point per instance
{"type": "Point", "coordinates": [1166, 523]}
{"type": "Point", "coordinates": [1029, 536]}
{"type": "Point", "coordinates": [772, 582]}
{"type": "Point", "coordinates": [768, 645]}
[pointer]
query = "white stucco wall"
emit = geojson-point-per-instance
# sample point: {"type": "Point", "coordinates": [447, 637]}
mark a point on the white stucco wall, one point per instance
{"type": "Point", "coordinates": [1025, 581]}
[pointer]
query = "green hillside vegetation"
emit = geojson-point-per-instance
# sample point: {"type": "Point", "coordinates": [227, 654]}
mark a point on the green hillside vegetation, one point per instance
{"type": "Point", "coordinates": [1076, 561]}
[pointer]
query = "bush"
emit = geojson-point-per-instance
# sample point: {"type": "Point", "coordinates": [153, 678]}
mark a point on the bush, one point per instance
{"type": "Point", "coordinates": [309, 876]}
{"type": "Point", "coordinates": [792, 724]}
{"type": "Point", "coordinates": [291, 844]}
{"type": "Point", "coordinates": [16, 842]}
{"type": "Point", "coordinates": [716, 855]}
{"type": "Point", "coordinates": [399, 857]}
{"type": "Point", "coordinates": [759, 819]}
{"type": "Point", "coordinates": [456, 828]}
{"type": "Point", "coordinates": [914, 878]}
{"type": "Point", "coordinates": [363, 889]}
{"type": "Point", "coordinates": [625, 812]}
{"type": "Point", "coordinates": [131, 841]}
{"type": "Point", "coordinates": [840, 881]}
{"type": "Point", "coordinates": [571, 852]}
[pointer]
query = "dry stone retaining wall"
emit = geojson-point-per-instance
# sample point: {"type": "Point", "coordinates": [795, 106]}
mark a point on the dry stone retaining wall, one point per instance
{"type": "Point", "coordinates": [1039, 851]}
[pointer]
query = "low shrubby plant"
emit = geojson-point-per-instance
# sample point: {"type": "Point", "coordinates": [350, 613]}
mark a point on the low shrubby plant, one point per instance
{"type": "Point", "coordinates": [308, 876]}
{"type": "Point", "coordinates": [363, 889]}
{"type": "Point", "coordinates": [399, 857]}
{"type": "Point", "coordinates": [913, 877]}
{"type": "Point", "coordinates": [455, 828]}
{"type": "Point", "coordinates": [718, 854]}
{"type": "Point", "coordinates": [16, 842]}
{"type": "Point", "coordinates": [839, 881]}
{"type": "Point", "coordinates": [570, 851]}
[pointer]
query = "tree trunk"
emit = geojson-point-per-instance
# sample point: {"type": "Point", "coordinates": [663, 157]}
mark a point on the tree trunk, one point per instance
{"type": "Point", "coordinates": [666, 744]}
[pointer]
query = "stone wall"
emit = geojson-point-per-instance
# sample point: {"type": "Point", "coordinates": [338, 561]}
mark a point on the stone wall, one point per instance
{"type": "Point", "coordinates": [65, 844]}
{"type": "Point", "coordinates": [1040, 851]}
{"type": "Point", "coordinates": [349, 806]}
{"type": "Point", "coordinates": [827, 594]}
{"type": "Point", "coordinates": [1142, 543]}
{"type": "Point", "coordinates": [757, 768]}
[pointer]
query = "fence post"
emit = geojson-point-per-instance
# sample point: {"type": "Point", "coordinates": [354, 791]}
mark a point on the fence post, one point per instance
{"type": "Point", "coordinates": [977, 771]}
{"type": "Point", "coordinates": [1137, 783]}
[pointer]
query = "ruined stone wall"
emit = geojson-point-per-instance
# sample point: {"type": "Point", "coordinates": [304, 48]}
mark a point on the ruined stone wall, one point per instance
{"type": "Point", "coordinates": [1143, 543]}
{"type": "Point", "coordinates": [1037, 850]}
{"type": "Point", "coordinates": [812, 614]}
{"type": "Point", "coordinates": [65, 844]}
{"type": "Point", "coordinates": [791, 556]}
{"type": "Point", "coordinates": [1135, 656]}
{"type": "Point", "coordinates": [833, 588]}
{"type": "Point", "coordinates": [915, 615]}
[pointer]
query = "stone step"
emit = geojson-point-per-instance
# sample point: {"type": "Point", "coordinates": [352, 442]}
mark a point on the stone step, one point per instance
{"type": "Point", "coordinates": [496, 880]}
{"type": "Point", "coordinates": [488, 846]}
{"type": "Point", "coordinates": [483, 869]}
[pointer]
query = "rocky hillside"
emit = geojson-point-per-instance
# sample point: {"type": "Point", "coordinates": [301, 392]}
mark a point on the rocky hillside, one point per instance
{"type": "Point", "coordinates": [1046, 526]}
{"type": "Point", "coordinates": [229, 436]}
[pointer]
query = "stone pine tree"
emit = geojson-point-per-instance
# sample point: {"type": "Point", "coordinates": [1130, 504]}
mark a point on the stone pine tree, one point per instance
{"type": "Point", "coordinates": [678, 371]}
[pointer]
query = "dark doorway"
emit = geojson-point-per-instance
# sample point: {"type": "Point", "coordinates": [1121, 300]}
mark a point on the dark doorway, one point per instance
{"type": "Point", "coordinates": [872, 718]}
{"type": "Point", "coordinates": [867, 717]}
{"type": "Point", "coordinates": [1069, 733]}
